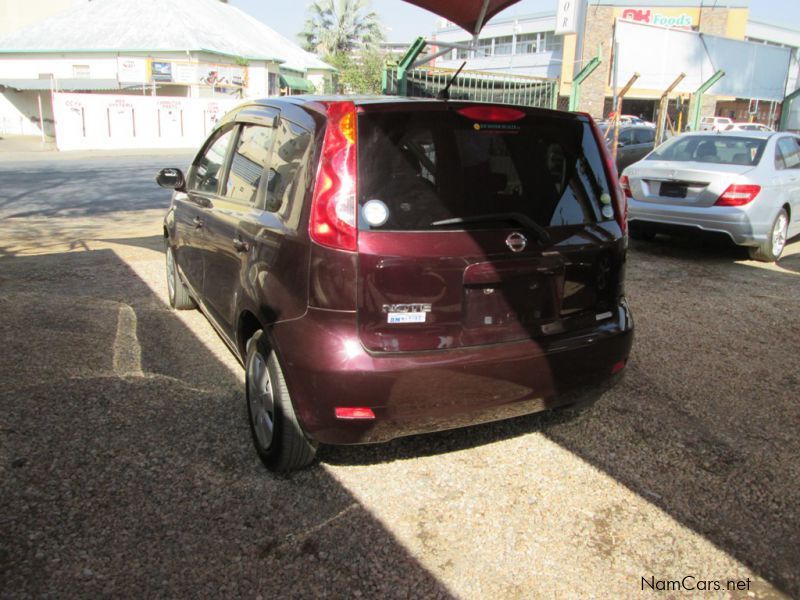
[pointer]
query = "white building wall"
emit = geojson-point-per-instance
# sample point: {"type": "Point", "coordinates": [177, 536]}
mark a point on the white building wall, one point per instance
{"type": "Point", "coordinates": [101, 121]}
{"type": "Point", "coordinates": [61, 67]}
{"type": "Point", "coordinates": [540, 64]}
{"type": "Point", "coordinates": [19, 113]}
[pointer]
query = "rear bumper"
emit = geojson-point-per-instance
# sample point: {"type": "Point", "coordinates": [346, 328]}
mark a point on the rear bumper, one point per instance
{"type": "Point", "coordinates": [412, 393]}
{"type": "Point", "coordinates": [733, 221]}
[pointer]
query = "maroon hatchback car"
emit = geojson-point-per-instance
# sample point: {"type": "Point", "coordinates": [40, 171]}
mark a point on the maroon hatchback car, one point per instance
{"type": "Point", "coordinates": [384, 266]}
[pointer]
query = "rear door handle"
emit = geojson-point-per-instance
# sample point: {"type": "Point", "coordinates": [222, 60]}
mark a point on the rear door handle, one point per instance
{"type": "Point", "coordinates": [198, 222]}
{"type": "Point", "coordinates": [240, 245]}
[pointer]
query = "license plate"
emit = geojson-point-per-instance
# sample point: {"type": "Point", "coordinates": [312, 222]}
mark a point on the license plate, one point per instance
{"type": "Point", "coordinates": [673, 190]}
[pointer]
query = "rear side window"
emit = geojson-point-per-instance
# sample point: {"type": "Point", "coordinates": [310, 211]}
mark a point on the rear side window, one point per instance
{"type": "Point", "coordinates": [428, 167]}
{"type": "Point", "coordinates": [727, 150]}
{"type": "Point", "coordinates": [288, 155]}
{"type": "Point", "coordinates": [643, 136]}
{"type": "Point", "coordinates": [788, 154]}
{"type": "Point", "coordinates": [250, 156]}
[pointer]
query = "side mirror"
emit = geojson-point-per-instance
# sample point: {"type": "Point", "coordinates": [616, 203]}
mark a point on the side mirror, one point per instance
{"type": "Point", "coordinates": [171, 179]}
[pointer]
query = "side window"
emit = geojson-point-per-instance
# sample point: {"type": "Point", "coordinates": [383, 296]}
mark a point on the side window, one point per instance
{"type": "Point", "coordinates": [207, 168]}
{"type": "Point", "coordinates": [645, 135]}
{"type": "Point", "coordinates": [789, 152]}
{"type": "Point", "coordinates": [626, 137]}
{"type": "Point", "coordinates": [250, 157]}
{"type": "Point", "coordinates": [291, 143]}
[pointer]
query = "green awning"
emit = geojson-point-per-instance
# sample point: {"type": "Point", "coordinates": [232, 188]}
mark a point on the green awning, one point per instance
{"type": "Point", "coordinates": [297, 83]}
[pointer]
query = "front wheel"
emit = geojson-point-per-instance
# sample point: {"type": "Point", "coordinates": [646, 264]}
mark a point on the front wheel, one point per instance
{"type": "Point", "coordinates": [278, 438]}
{"type": "Point", "coordinates": [179, 297]}
{"type": "Point", "coordinates": [771, 249]}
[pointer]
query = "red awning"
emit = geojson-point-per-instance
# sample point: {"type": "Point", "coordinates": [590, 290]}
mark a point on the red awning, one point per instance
{"type": "Point", "coordinates": [472, 15]}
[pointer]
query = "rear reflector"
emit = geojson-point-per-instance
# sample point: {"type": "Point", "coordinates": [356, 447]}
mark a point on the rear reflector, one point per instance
{"type": "Point", "coordinates": [491, 114]}
{"type": "Point", "coordinates": [738, 195]}
{"type": "Point", "coordinates": [354, 412]}
{"type": "Point", "coordinates": [617, 367]}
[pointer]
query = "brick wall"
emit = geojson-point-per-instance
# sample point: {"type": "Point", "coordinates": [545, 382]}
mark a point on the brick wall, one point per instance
{"type": "Point", "coordinates": [599, 31]}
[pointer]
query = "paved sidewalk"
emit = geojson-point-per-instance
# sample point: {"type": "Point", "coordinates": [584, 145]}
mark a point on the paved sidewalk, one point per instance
{"type": "Point", "coordinates": [32, 148]}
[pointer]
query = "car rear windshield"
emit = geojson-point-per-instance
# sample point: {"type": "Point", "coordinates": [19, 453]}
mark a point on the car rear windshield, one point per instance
{"type": "Point", "coordinates": [429, 170]}
{"type": "Point", "coordinates": [725, 150]}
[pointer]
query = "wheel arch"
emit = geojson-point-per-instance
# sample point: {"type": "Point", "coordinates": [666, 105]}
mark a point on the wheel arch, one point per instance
{"type": "Point", "coordinates": [246, 326]}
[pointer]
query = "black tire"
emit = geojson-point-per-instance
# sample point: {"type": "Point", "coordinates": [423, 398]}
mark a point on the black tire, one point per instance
{"type": "Point", "coordinates": [771, 249]}
{"type": "Point", "coordinates": [179, 297]}
{"type": "Point", "coordinates": [284, 447]}
{"type": "Point", "coordinates": [642, 233]}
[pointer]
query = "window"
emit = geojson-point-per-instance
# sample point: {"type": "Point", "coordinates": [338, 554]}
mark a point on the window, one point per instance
{"type": "Point", "coordinates": [626, 136]}
{"type": "Point", "coordinates": [787, 154]}
{"type": "Point", "coordinates": [462, 53]}
{"type": "Point", "coordinates": [644, 136]}
{"type": "Point", "coordinates": [273, 85]}
{"type": "Point", "coordinates": [428, 168]}
{"type": "Point", "coordinates": [80, 71]}
{"type": "Point", "coordinates": [711, 149]}
{"type": "Point", "coordinates": [527, 43]}
{"type": "Point", "coordinates": [550, 42]}
{"type": "Point", "coordinates": [206, 169]}
{"type": "Point", "coordinates": [484, 48]}
{"type": "Point", "coordinates": [503, 45]}
{"type": "Point", "coordinates": [288, 155]}
{"type": "Point", "coordinates": [250, 157]}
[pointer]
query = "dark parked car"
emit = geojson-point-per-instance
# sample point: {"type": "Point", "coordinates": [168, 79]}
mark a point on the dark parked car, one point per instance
{"type": "Point", "coordinates": [635, 142]}
{"type": "Point", "coordinates": [384, 267]}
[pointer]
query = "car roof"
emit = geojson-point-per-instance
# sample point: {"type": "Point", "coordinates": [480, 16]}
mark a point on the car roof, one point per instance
{"type": "Point", "coordinates": [761, 135]}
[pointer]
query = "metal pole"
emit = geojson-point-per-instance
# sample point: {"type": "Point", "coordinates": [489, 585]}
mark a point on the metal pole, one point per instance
{"type": "Point", "coordinates": [41, 116]}
{"type": "Point", "coordinates": [662, 108]}
{"type": "Point", "coordinates": [617, 111]}
{"type": "Point", "coordinates": [698, 98]}
{"type": "Point", "coordinates": [575, 92]}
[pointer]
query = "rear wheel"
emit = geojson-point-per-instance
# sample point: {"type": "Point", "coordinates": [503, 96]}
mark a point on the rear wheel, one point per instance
{"type": "Point", "coordinates": [771, 249]}
{"type": "Point", "coordinates": [277, 435]}
{"type": "Point", "coordinates": [179, 297]}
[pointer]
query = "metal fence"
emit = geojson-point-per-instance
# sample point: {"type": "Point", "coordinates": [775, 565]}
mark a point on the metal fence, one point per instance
{"type": "Point", "coordinates": [478, 86]}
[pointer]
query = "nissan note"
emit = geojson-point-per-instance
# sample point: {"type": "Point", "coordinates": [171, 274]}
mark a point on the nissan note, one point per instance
{"type": "Point", "coordinates": [385, 266]}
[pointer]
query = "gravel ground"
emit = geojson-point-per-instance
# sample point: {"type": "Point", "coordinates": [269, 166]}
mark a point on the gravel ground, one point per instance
{"type": "Point", "coordinates": [126, 467]}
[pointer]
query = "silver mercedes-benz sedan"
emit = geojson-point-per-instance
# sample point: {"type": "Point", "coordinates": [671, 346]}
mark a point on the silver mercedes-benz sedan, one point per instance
{"type": "Point", "coordinates": [745, 184]}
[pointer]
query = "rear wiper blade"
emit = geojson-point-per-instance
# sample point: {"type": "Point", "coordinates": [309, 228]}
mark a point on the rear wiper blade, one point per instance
{"type": "Point", "coordinates": [515, 217]}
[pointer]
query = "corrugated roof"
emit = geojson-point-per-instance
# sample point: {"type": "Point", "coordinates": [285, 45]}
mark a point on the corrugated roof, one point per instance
{"type": "Point", "coordinates": [66, 85]}
{"type": "Point", "coordinates": [160, 25]}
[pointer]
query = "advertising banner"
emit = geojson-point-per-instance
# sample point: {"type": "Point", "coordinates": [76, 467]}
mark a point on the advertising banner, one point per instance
{"type": "Point", "coordinates": [192, 73]}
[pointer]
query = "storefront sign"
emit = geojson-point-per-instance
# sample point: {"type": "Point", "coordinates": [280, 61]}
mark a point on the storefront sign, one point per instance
{"type": "Point", "coordinates": [131, 70]}
{"type": "Point", "coordinates": [647, 15]}
{"type": "Point", "coordinates": [567, 16]}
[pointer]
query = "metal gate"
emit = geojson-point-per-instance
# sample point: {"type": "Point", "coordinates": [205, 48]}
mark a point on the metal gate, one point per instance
{"type": "Point", "coordinates": [480, 86]}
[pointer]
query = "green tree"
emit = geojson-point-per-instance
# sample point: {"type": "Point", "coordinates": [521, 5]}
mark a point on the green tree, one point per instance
{"type": "Point", "coordinates": [358, 74]}
{"type": "Point", "coordinates": [336, 27]}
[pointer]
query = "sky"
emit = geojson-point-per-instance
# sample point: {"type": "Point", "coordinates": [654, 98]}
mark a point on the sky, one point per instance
{"type": "Point", "coordinates": [405, 22]}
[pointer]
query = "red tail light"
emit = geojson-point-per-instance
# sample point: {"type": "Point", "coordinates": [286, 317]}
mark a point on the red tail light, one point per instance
{"type": "Point", "coordinates": [625, 184]}
{"type": "Point", "coordinates": [491, 114]}
{"type": "Point", "coordinates": [738, 195]}
{"type": "Point", "coordinates": [333, 209]}
{"type": "Point", "coordinates": [617, 194]}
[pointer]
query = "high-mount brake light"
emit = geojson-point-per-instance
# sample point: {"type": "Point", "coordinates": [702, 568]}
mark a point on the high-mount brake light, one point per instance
{"type": "Point", "coordinates": [619, 197]}
{"type": "Point", "coordinates": [491, 114]}
{"type": "Point", "coordinates": [333, 209]}
{"type": "Point", "coordinates": [738, 195]}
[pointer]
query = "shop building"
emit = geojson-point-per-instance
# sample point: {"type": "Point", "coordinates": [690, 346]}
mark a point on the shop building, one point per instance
{"type": "Point", "coordinates": [187, 56]}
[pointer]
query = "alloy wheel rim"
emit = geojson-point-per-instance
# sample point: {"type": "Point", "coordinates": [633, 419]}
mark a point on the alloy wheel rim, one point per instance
{"type": "Point", "coordinates": [779, 235]}
{"type": "Point", "coordinates": [170, 273]}
{"type": "Point", "coordinates": [261, 400]}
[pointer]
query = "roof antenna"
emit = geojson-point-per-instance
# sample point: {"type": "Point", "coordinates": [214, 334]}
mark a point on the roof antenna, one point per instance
{"type": "Point", "coordinates": [444, 94]}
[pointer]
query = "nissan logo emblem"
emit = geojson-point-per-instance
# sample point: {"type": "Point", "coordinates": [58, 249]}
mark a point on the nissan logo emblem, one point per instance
{"type": "Point", "coordinates": [516, 242]}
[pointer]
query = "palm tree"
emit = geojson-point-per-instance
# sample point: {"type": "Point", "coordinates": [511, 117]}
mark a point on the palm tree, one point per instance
{"type": "Point", "coordinates": [340, 26]}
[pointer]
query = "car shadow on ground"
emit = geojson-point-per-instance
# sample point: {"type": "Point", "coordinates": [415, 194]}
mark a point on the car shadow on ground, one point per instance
{"type": "Point", "coordinates": [705, 424]}
{"type": "Point", "coordinates": [126, 466]}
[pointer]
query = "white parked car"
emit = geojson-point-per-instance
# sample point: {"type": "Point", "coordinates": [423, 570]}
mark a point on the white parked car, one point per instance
{"type": "Point", "coordinates": [748, 127]}
{"type": "Point", "coordinates": [715, 123]}
{"type": "Point", "coordinates": [744, 184]}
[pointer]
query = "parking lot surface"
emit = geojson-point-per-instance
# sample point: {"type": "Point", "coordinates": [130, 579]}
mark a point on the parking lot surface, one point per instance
{"type": "Point", "coordinates": [126, 467]}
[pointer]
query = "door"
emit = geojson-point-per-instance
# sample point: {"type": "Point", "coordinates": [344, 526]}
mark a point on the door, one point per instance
{"type": "Point", "coordinates": [788, 165]}
{"type": "Point", "coordinates": [474, 232]}
{"type": "Point", "coordinates": [240, 199]}
{"type": "Point", "coordinates": [191, 208]}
